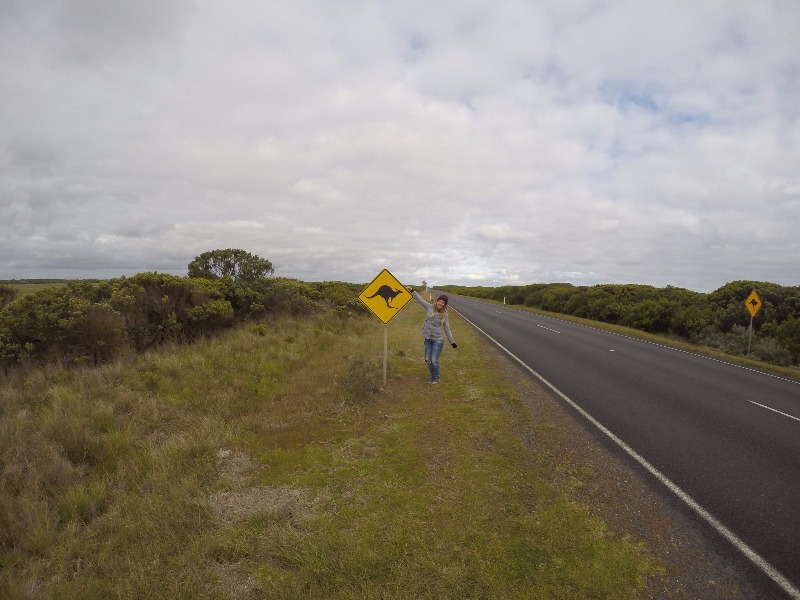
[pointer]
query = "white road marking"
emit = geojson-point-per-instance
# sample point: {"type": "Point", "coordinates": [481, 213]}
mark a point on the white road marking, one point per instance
{"type": "Point", "coordinates": [737, 542]}
{"type": "Point", "coordinates": [774, 410]}
{"type": "Point", "coordinates": [652, 343]}
{"type": "Point", "coordinates": [548, 329]}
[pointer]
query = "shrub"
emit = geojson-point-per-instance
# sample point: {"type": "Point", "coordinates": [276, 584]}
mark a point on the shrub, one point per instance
{"type": "Point", "coordinates": [7, 294]}
{"type": "Point", "coordinates": [654, 316]}
{"type": "Point", "coordinates": [209, 317]}
{"type": "Point", "coordinates": [60, 323]}
{"type": "Point", "coordinates": [294, 297]}
{"type": "Point", "coordinates": [342, 296]}
{"type": "Point", "coordinates": [158, 308]}
{"type": "Point", "coordinates": [788, 333]}
{"type": "Point", "coordinates": [770, 350]}
{"type": "Point", "coordinates": [259, 329]}
{"type": "Point", "coordinates": [556, 297]}
{"type": "Point", "coordinates": [363, 379]}
{"type": "Point", "coordinates": [239, 265]}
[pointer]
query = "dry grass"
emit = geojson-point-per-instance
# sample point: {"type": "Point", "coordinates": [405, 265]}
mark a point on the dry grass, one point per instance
{"type": "Point", "coordinates": [268, 463]}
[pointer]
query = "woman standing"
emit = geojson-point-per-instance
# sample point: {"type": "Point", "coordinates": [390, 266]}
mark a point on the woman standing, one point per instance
{"type": "Point", "coordinates": [434, 329]}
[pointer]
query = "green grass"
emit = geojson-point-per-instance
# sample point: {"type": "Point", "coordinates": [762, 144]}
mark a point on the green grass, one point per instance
{"type": "Point", "coordinates": [270, 462]}
{"type": "Point", "coordinates": [30, 288]}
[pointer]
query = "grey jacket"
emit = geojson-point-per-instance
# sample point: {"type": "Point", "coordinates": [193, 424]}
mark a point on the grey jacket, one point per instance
{"type": "Point", "coordinates": [434, 324]}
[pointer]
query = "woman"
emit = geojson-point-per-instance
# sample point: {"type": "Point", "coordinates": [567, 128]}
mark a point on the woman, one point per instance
{"type": "Point", "coordinates": [435, 327]}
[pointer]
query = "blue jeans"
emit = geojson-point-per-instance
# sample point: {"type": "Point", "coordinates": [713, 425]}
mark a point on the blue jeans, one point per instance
{"type": "Point", "coordinates": [433, 348]}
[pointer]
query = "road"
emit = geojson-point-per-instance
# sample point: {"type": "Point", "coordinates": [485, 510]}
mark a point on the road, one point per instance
{"type": "Point", "coordinates": [724, 438]}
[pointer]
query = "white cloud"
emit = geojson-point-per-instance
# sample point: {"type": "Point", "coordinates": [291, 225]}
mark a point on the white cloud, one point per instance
{"type": "Point", "coordinates": [471, 142]}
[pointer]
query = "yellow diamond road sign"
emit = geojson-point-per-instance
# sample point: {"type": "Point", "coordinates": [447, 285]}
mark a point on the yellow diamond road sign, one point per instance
{"type": "Point", "coordinates": [385, 296]}
{"type": "Point", "coordinates": [753, 303]}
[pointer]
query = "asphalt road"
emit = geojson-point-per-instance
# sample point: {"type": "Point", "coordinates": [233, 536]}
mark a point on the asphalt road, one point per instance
{"type": "Point", "coordinates": [724, 438]}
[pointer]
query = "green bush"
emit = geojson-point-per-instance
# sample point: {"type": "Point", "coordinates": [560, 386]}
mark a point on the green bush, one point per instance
{"type": "Point", "coordinates": [654, 316]}
{"type": "Point", "coordinates": [770, 350]}
{"type": "Point", "coordinates": [363, 379]}
{"type": "Point", "coordinates": [7, 294]}
{"type": "Point", "coordinates": [788, 333]}
{"type": "Point", "coordinates": [158, 308]}
{"type": "Point", "coordinates": [294, 297]}
{"type": "Point", "coordinates": [342, 296]}
{"type": "Point", "coordinates": [60, 323]}
{"type": "Point", "coordinates": [239, 265]}
{"type": "Point", "coordinates": [83, 323]}
{"type": "Point", "coordinates": [259, 329]}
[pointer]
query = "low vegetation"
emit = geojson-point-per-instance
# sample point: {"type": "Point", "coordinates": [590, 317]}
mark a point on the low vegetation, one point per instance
{"type": "Point", "coordinates": [83, 322]}
{"type": "Point", "coordinates": [92, 322]}
{"type": "Point", "coordinates": [267, 462]}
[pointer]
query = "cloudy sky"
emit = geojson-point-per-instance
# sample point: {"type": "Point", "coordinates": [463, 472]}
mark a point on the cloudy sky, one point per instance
{"type": "Point", "coordinates": [480, 142]}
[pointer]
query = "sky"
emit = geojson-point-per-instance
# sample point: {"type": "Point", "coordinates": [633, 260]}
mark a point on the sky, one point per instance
{"type": "Point", "coordinates": [472, 142]}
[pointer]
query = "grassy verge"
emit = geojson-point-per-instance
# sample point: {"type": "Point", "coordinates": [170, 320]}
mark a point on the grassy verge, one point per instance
{"type": "Point", "coordinates": [32, 288]}
{"type": "Point", "coordinates": [270, 463]}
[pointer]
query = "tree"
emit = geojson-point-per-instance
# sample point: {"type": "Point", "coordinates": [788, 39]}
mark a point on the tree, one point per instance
{"type": "Point", "coordinates": [62, 323]}
{"type": "Point", "coordinates": [654, 316]}
{"type": "Point", "coordinates": [239, 265]}
{"type": "Point", "coordinates": [789, 335]}
{"type": "Point", "coordinates": [7, 294]}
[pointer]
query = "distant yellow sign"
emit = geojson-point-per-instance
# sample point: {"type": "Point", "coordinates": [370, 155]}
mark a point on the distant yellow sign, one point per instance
{"type": "Point", "coordinates": [753, 303]}
{"type": "Point", "coordinates": [385, 296]}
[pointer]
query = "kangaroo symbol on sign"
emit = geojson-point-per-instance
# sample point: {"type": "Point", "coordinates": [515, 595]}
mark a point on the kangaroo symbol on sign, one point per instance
{"type": "Point", "coordinates": [387, 294]}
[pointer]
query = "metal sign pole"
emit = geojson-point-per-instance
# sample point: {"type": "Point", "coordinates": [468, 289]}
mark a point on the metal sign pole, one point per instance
{"type": "Point", "coordinates": [750, 339]}
{"type": "Point", "coordinates": [385, 351]}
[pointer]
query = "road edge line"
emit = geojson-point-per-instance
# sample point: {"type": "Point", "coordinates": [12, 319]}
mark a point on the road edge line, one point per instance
{"type": "Point", "coordinates": [760, 562]}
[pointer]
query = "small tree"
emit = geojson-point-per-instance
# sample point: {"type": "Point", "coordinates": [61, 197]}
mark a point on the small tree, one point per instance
{"type": "Point", "coordinates": [7, 294]}
{"type": "Point", "coordinates": [239, 265]}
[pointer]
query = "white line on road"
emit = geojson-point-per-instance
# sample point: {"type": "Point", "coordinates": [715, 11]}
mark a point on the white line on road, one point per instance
{"type": "Point", "coordinates": [548, 329]}
{"type": "Point", "coordinates": [737, 542]}
{"type": "Point", "coordinates": [774, 410]}
{"type": "Point", "coordinates": [638, 339]}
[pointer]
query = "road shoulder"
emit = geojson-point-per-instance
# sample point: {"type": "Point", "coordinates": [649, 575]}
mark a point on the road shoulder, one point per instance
{"type": "Point", "coordinates": [697, 562]}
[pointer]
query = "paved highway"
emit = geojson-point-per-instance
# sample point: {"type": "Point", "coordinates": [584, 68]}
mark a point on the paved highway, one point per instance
{"type": "Point", "coordinates": [724, 438]}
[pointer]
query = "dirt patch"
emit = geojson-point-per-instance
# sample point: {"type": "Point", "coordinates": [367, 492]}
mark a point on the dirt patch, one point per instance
{"type": "Point", "coordinates": [242, 501]}
{"type": "Point", "coordinates": [284, 503]}
{"type": "Point", "coordinates": [234, 466]}
{"type": "Point", "coordinates": [236, 580]}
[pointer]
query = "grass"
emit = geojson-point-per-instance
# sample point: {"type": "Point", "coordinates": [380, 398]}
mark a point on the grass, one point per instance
{"type": "Point", "coordinates": [270, 462]}
{"type": "Point", "coordinates": [31, 288]}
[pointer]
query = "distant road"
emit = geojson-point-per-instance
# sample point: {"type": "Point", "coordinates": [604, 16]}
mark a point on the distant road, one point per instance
{"type": "Point", "coordinates": [725, 438]}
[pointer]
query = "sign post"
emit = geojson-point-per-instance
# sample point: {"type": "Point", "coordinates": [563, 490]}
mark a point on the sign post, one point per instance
{"type": "Point", "coordinates": [753, 304]}
{"type": "Point", "coordinates": [385, 296]}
